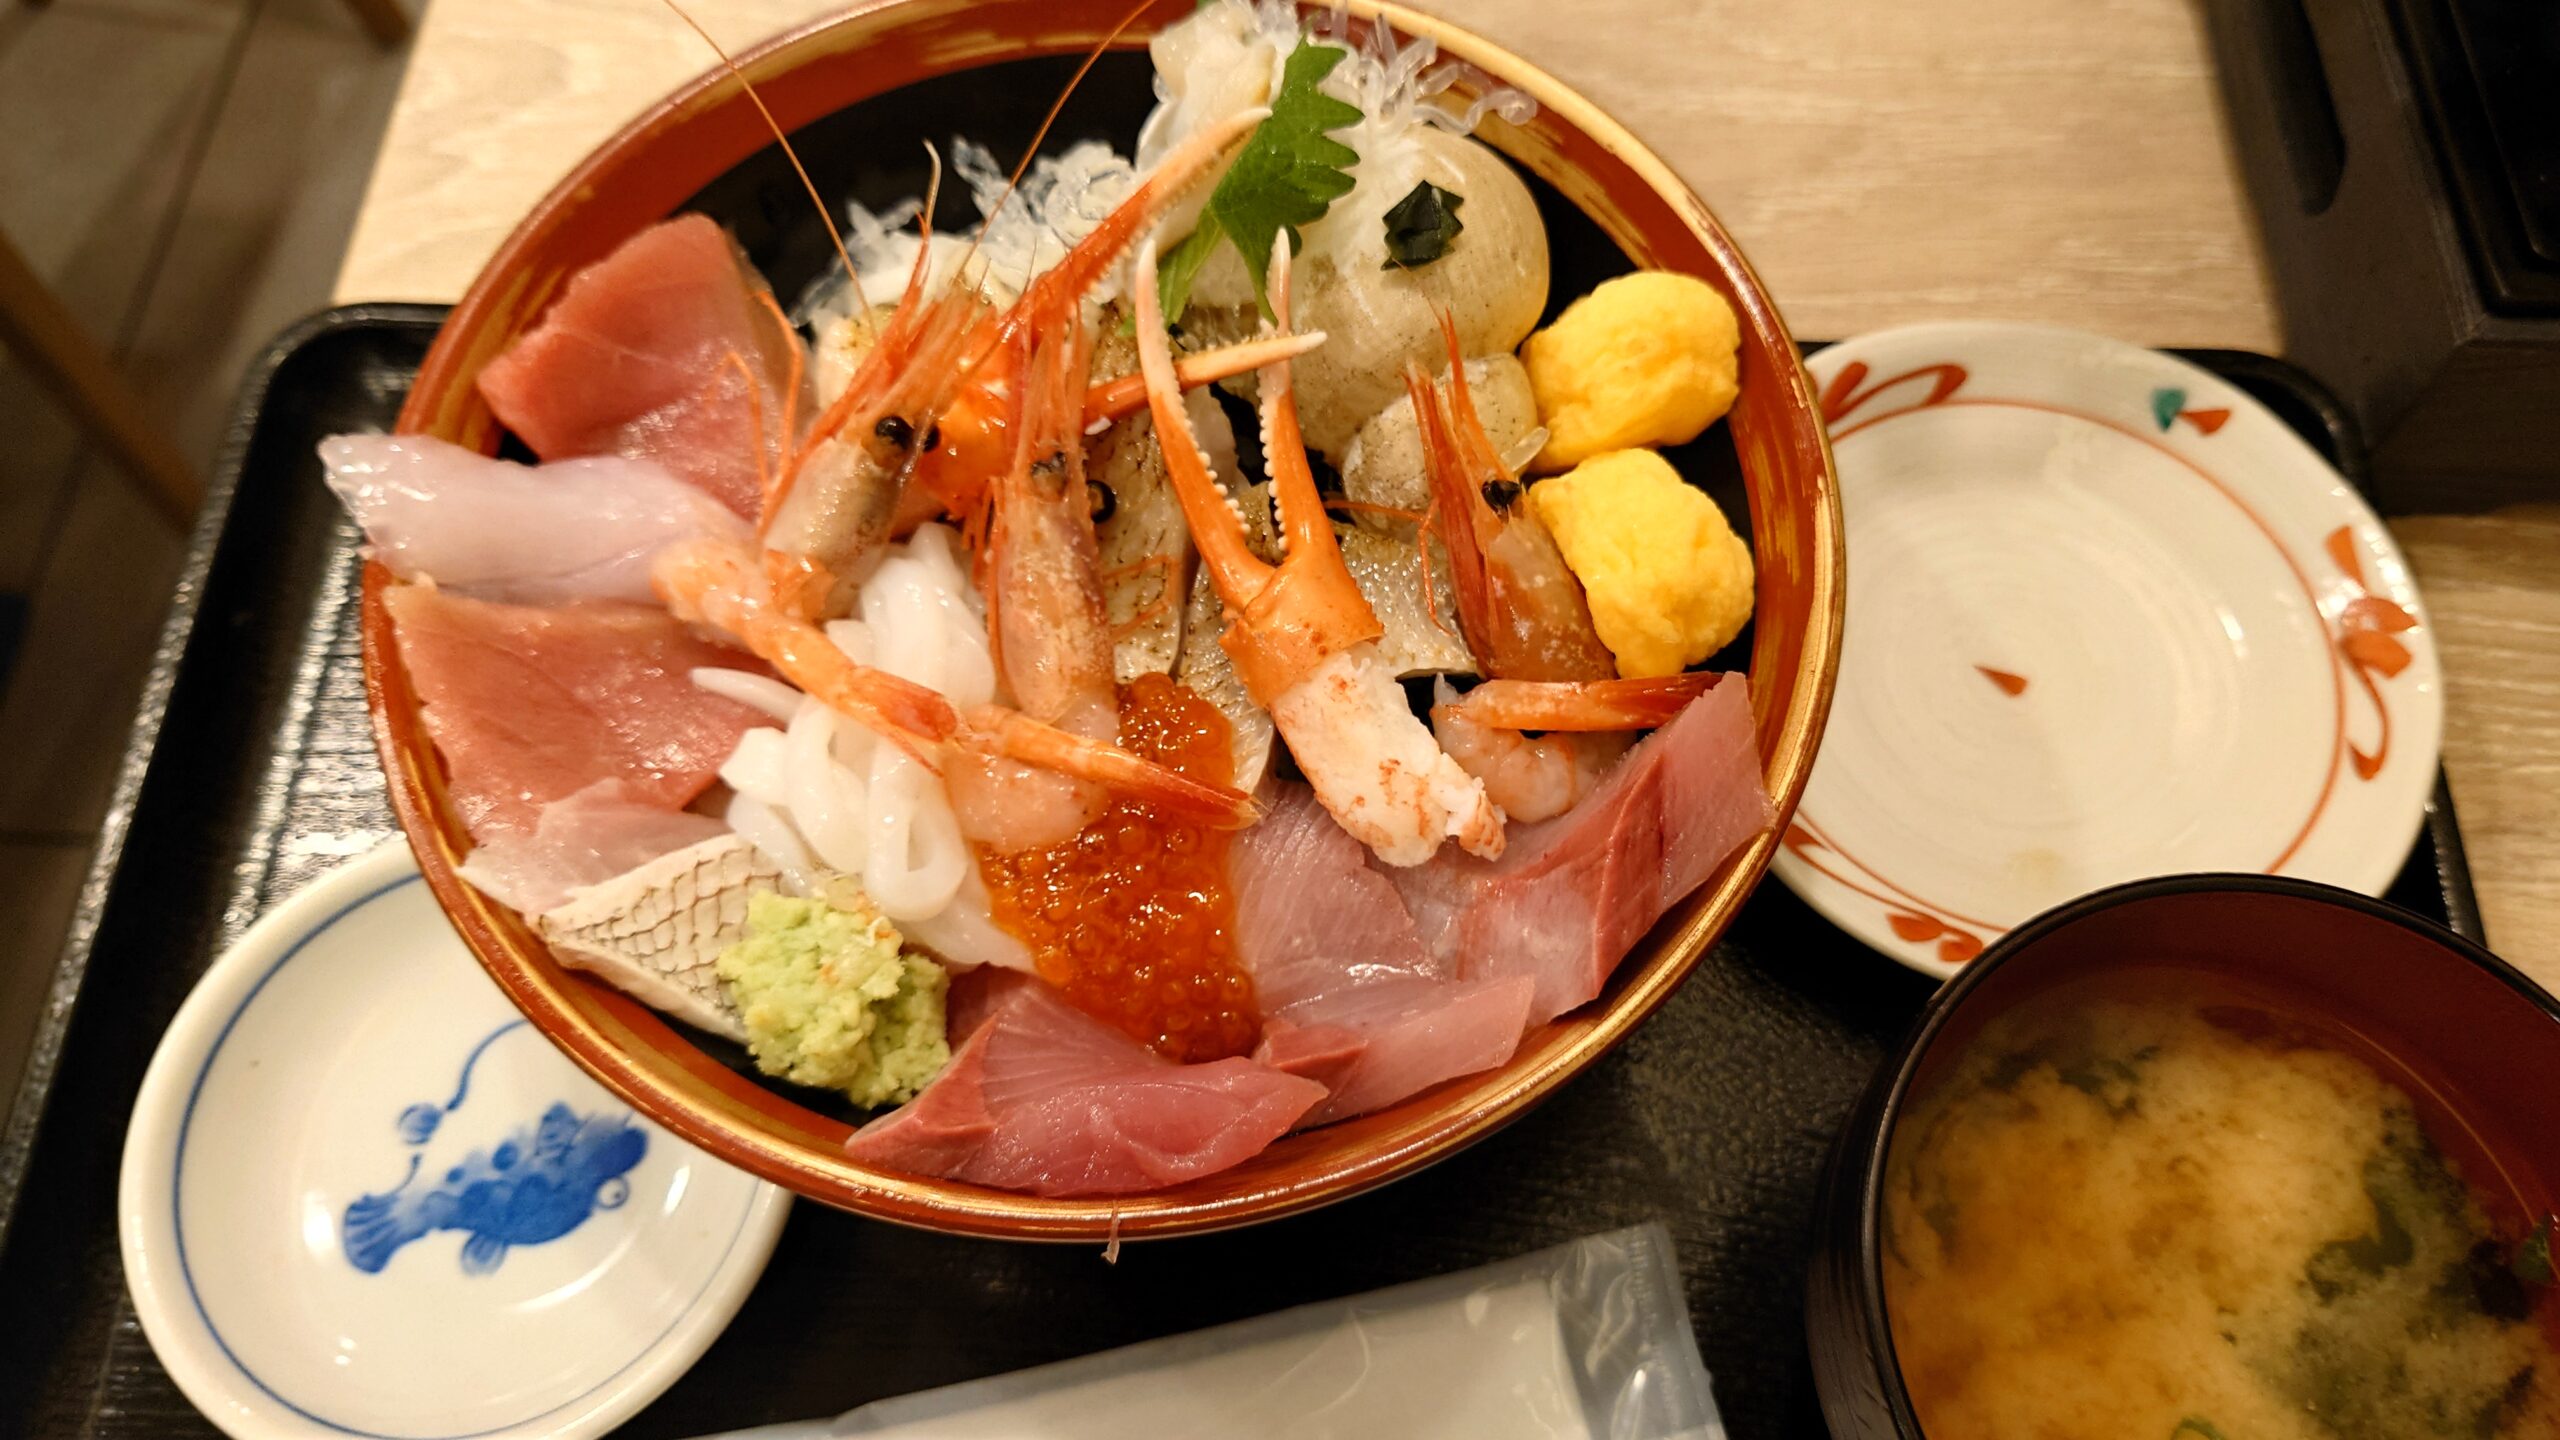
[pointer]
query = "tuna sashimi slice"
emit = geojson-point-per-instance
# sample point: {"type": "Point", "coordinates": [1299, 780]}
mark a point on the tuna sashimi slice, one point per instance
{"type": "Point", "coordinates": [1572, 895]}
{"type": "Point", "coordinates": [664, 350]}
{"type": "Point", "coordinates": [1351, 997]}
{"type": "Point", "coordinates": [1042, 1098]}
{"type": "Point", "coordinates": [530, 705]}
{"type": "Point", "coordinates": [496, 530]}
{"type": "Point", "coordinates": [1312, 919]}
{"type": "Point", "coordinates": [1380, 1043]}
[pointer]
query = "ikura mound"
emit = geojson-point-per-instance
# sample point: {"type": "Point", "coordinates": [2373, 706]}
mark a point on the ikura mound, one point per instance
{"type": "Point", "coordinates": [2201, 1219]}
{"type": "Point", "coordinates": [963, 693]}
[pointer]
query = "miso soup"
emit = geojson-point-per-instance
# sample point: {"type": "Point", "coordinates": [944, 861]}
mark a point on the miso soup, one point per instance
{"type": "Point", "coordinates": [2158, 1220]}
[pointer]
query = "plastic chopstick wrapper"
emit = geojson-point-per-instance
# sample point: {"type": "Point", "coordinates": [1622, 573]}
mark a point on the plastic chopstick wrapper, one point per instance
{"type": "Point", "coordinates": [1587, 1341]}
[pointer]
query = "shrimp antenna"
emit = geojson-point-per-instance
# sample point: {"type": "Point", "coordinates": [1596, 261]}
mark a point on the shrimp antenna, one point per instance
{"type": "Point", "coordinates": [861, 311]}
{"type": "Point", "coordinates": [1032, 150]}
{"type": "Point", "coordinates": [932, 191]}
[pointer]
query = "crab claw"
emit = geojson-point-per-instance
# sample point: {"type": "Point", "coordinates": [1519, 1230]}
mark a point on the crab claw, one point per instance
{"type": "Point", "coordinates": [1286, 618]}
{"type": "Point", "coordinates": [1127, 394]}
{"type": "Point", "coordinates": [1301, 634]}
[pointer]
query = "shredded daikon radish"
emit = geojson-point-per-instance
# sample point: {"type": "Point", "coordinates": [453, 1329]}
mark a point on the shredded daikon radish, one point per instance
{"type": "Point", "coordinates": [1061, 199]}
{"type": "Point", "coordinates": [1229, 56]}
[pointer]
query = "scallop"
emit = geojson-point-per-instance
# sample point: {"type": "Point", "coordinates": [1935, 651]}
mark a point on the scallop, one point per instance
{"type": "Point", "coordinates": [1493, 282]}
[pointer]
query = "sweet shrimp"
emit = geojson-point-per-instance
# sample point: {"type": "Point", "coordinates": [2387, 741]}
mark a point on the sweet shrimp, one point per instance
{"type": "Point", "coordinates": [1041, 573]}
{"type": "Point", "coordinates": [1526, 620]}
{"type": "Point", "coordinates": [926, 423]}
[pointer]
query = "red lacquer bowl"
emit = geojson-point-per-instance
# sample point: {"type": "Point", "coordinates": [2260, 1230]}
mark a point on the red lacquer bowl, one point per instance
{"type": "Point", "coordinates": [665, 160]}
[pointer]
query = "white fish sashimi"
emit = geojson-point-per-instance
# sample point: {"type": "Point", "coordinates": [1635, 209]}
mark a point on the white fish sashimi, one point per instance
{"type": "Point", "coordinates": [656, 933]}
{"type": "Point", "coordinates": [1205, 668]}
{"type": "Point", "coordinates": [526, 534]}
{"type": "Point", "coordinates": [579, 840]}
{"type": "Point", "coordinates": [1421, 635]}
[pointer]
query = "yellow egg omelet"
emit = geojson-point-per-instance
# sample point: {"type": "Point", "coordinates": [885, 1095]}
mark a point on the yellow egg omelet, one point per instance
{"type": "Point", "coordinates": [1644, 359]}
{"type": "Point", "coordinates": [1669, 581]}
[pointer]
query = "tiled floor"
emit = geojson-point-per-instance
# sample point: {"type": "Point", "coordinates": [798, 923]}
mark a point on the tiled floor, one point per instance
{"type": "Point", "coordinates": [184, 174]}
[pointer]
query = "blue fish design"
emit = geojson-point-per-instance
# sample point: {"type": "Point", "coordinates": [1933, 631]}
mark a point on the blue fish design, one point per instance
{"type": "Point", "coordinates": [538, 1184]}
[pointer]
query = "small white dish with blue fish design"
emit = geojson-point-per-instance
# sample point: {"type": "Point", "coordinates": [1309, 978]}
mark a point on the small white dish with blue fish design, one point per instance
{"type": "Point", "coordinates": [361, 1196]}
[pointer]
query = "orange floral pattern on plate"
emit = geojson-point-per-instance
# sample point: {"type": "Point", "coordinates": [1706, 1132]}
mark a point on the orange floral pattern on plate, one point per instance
{"type": "Point", "coordinates": [1910, 920]}
{"type": "Point", "coordinates": [2368, 627]}
{"type": "Point", "coordinates": [2010, 683]}
{"type": "Point", "coordinates": [2367, 636]}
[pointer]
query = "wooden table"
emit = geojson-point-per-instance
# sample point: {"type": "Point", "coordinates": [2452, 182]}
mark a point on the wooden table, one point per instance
{"type": "Point", "coordinates": [2055, 160]}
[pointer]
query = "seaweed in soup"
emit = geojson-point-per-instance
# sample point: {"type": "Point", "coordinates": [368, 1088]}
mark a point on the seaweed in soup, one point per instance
{"type": "Point", "coordinates": [2394, 1313]}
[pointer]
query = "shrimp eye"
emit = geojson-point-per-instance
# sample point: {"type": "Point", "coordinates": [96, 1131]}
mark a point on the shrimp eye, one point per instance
{"type": "Point", "coordinates": [1501, 494]}
{"type": "Point", "coordinates": [1104, 503]}
{"type": "Point", "coordinates": [933, 436]}
{"type": "Point", "coordinates": [895, 430]}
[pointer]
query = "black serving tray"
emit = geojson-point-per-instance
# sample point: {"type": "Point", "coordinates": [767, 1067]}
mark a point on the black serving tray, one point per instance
{"type": "Point", "coordinates": [252, 769]}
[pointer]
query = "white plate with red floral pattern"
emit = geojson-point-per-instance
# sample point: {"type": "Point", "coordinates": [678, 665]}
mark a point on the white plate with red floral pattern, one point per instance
{"type": "Point", "coordinates": [2108, 618]}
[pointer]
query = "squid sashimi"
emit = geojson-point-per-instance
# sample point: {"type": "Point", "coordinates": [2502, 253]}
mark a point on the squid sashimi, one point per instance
{"type": "Point", "coordinates": [530, 705]}
{"type": "Point", "coordinates": [569, 530]}
{"type": "Point", "coordinates": [1391, 1041]}
{"type": "Point", "coordinates": [1350, 997]}
{"type": "Point", "coordinates": [1042, 1098]}
{"type": "Point", "coordinates": [1572, 895]}
{"type": "Point", "coordinates": [669, 349]}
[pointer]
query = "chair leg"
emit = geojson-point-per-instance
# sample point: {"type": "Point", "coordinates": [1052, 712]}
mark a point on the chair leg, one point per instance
{"type": "Point", "coordinates": [385, 20]}
{"type": "Point", "coordinates": [36, 327]}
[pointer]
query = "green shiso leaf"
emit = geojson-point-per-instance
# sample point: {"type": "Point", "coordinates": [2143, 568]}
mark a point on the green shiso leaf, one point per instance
{"type": "Point", "coordinates": [1288, 174]}
{"type": "Point", "coordinates": [1181, 265]}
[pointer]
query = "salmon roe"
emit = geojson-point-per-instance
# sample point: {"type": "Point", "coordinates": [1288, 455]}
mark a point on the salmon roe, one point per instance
{"type": "Point", "coordinates": [1132, 918]}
